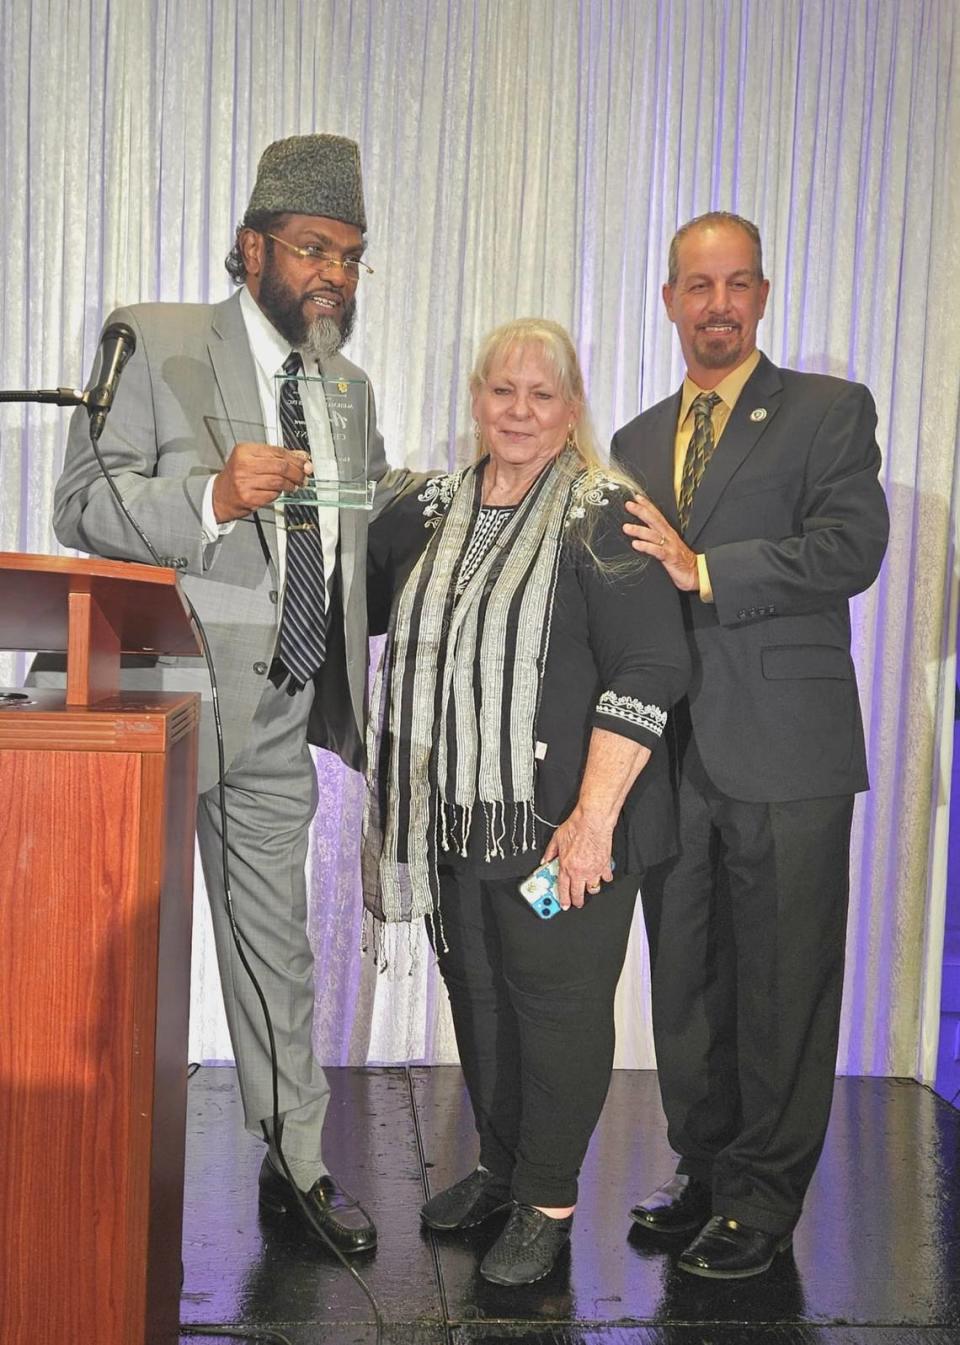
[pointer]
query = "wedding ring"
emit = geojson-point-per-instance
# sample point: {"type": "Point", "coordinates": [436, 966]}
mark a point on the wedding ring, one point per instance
{"type": "Point", "coordinates": [592, 889]}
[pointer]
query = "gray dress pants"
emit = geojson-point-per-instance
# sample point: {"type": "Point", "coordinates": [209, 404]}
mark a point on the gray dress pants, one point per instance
{"type": "Point", "coordinates": [270, 798]}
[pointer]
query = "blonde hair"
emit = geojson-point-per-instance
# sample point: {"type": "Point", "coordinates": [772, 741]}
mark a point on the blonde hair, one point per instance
{"type": "Point", "coordinates": [554, 343]}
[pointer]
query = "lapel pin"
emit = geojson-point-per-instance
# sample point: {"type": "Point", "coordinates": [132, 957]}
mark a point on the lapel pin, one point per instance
{"type": "Point", "coordinates": [759, 414]}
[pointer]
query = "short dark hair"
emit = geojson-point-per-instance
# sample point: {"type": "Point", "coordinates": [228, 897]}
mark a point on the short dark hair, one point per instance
{"type": "Point", "coordinates": [263, 221]}
{"type": "Point", "coordinates": [712, 218]}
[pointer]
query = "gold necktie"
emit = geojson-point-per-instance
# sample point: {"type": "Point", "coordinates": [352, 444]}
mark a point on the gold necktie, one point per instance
{"type": "Point", "coordinates": [699, 452]}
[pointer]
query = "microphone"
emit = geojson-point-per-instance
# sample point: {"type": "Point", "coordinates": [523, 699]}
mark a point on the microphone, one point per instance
{"type": "Point", "coordinates": [117, 344]}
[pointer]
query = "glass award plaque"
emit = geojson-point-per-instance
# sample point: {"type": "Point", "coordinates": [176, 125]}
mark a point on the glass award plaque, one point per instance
{"type": "Point", "coordinates": [341, 481]}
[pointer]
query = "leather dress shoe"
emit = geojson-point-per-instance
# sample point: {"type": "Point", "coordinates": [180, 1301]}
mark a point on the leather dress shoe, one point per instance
{"type": "Point", "coordinates": [344, 1221]}
{"type": "Point", "coordinates": [527, 1248]}
{"type": "Point", "coordinates": [466, 1203]}
{"type": "Point", "coordinates": [681, 1205]}
{"type": "Point", "coordinates": [728, 1250]}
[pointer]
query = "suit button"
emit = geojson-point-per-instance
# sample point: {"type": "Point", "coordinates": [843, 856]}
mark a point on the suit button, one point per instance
{"type": "Point", "coordinates": [273, 595]}
{"type": "Point", "coordinates": [260, 668]}
{"type": "Point", "coordinates": [182, 562]}
{"type": "Point", "coordinates": [741, 614]}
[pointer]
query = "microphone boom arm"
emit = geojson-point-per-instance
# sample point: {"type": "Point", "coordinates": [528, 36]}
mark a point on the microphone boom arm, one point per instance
{"type": "Point", "coordinates": [50, 396]}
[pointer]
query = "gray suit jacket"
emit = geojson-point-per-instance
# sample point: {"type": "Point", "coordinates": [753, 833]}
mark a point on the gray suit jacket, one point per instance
{"type": "Point", "coordinates": [187, 395]}
{"type": "Point", "coordinates": [793, 522]}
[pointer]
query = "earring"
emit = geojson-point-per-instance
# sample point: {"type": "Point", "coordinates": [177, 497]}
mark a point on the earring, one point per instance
{"type": "Point", "coordinates": [571, 439]}
{"type": "Point", "coordinates": [476, 430]}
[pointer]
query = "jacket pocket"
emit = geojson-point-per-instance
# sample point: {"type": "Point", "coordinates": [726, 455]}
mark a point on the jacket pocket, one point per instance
{"type": "Point", "coordinates": [760, 485]}
{"type": "Point", "coordinates": [783, 661]}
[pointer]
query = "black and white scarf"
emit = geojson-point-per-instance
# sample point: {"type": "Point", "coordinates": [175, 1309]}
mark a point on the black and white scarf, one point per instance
{"type": "Point", "coordinates": [454, 706]}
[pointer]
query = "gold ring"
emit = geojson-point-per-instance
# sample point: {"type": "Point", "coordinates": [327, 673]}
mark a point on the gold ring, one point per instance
{"type": "Point", "coordinates": [593, 889]}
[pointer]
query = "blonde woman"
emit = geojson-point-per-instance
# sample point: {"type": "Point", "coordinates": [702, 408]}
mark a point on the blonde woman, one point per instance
{"type": "Point", "coordinates": [519, 717]}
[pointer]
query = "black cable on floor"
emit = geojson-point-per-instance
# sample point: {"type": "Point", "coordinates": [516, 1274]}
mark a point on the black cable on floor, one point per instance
{"type": "Point", "coordinates": [239, 940]}
{"type": "Point", "coordinates": [425, 1183]}
{"type": "Point", "coordinates": [235, 1332]}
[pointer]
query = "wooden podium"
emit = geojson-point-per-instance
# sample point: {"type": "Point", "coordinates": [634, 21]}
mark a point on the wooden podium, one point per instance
{"type": "Point", "coordinates": [96, 884]}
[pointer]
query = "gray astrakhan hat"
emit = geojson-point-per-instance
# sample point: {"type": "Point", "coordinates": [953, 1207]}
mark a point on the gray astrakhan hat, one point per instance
{"type": "Point", "coordinates": [311, 175]}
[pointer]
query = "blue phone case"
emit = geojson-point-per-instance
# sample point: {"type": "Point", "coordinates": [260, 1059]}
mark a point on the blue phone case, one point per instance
{"type": "Point", "coordinates": [540, 890]}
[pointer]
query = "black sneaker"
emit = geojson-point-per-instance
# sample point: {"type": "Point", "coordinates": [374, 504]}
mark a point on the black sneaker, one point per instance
{"type": "Point", "coordinates": [527, 1248]}
{"type": "Point", "coordinates": [467, 1202]}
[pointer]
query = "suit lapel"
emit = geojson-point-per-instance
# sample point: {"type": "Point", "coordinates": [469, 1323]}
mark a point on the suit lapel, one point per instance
{"type": "Point", "coordinates": [337, 367]}
{"type": "Point", "coordinates": [755, 410]}
{"type": "Point", "coordinates": [236, 375]}
{"type": "Point", "coordinates": [656, 472]}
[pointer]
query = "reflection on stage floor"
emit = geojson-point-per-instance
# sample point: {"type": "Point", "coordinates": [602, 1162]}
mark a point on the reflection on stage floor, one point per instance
{"type": "Point", "coordinates": [875, 1261]}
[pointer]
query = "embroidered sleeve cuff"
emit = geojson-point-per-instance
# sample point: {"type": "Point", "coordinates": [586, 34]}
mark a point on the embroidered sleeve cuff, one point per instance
{"type": "Point", "coordinates": [629, 711]}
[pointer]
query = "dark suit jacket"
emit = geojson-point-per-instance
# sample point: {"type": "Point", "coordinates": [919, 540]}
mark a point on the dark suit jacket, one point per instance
{"type": "Point", "coordinates": [793, 523]}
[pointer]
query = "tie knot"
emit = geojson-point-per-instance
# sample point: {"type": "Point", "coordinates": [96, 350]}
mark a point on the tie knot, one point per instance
{"type": "Point", "coordinates": [704, 402]}
{"type": "Point", "coordinates": [292, 364]}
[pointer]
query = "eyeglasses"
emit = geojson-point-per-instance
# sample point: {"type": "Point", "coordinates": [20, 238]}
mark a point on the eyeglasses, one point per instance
{"type": "Point", "coordinates": [351, 266]}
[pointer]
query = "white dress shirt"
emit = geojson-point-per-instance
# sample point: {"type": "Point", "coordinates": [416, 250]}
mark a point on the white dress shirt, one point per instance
{"type": "Point", "coordinates": [270, 350]}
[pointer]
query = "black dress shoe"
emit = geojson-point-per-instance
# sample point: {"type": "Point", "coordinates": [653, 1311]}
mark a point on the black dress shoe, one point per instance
{"type": "Point", "coordinates": [467, 1202]}
{"type": "Point", "coordinates": [727, 1250]}
{"type": "Point", "coordinates": [527, 1248]}
{"type": "Point", "coordinates": [343, 1220]}
{"type": "Point", "coordinates": [681, 1205]}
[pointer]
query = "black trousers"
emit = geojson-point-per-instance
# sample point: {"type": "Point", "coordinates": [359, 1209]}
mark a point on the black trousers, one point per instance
{"type": "Point", "coordinates": [746, 930]}
{"type": "Point", "coordinates": [532, 1004]}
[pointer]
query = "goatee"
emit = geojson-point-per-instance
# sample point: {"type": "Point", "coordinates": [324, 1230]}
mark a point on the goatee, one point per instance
{"type": "Point", "coordinates": [324, 338]}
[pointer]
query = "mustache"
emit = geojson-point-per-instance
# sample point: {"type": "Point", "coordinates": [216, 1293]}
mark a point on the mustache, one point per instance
{"type": "Point", "coordinates": [727, 322]}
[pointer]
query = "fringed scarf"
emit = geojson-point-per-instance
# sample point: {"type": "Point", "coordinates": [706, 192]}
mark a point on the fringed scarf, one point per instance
{"type": "Point", "coordinates": [454, 706]}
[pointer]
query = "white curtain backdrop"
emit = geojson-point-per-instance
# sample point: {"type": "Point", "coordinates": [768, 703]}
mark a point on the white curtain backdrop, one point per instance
{"type": "Point", "coordinates": [528, 157]}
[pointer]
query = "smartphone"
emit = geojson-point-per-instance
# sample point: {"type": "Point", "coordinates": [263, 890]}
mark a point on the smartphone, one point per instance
{"type": "Point", "coordinates": [540, 890]}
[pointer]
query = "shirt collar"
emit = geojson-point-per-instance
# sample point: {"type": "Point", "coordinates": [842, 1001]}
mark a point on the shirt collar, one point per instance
{"type": "Point", "coordinates": [728, 389]}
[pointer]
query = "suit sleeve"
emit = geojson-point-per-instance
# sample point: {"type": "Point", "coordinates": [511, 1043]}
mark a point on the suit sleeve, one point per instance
{"type": "Point", "coordinates": [841, 527]}
{"type": "Point", "coordinates": [636, 635]}
{"type": "Point", "coordinates": [391, 481]}
{"type": "Point", "coordinates": [167, 502]}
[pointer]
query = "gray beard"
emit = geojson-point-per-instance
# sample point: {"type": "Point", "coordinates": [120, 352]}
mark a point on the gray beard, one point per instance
{"type": "Point", "coordinates": [325, 338]}
{"type": "Point", "coordinates": [322, 339]}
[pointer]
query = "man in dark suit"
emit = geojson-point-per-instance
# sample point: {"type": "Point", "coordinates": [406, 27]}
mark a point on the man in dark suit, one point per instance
{"type": "Point", "coordinates": [764, 507]}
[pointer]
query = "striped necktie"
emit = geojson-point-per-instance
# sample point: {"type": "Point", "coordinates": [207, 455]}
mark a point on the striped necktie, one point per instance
{"type": "Point", "coordinates": [699, 452]}
{"type": "Point", "coordinates": [303, 622]}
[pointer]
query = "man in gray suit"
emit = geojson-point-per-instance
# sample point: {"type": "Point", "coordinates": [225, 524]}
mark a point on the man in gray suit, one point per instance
{"type": "Point", "coordinates": [764, 508]}
{"type": "Point", "coordinates": [193, 444]}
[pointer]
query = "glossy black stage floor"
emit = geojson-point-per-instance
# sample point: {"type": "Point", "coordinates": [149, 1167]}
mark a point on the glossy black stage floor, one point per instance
{"type": "Point", "coordinates": [876, 1258]}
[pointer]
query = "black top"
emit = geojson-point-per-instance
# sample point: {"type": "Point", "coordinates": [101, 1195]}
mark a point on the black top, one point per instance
{"type": "Point", "coordinates": [617, 660]}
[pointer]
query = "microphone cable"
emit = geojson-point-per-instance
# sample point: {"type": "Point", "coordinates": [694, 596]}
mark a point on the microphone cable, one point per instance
{"type": "Point", "coordinates": [239, 939]}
